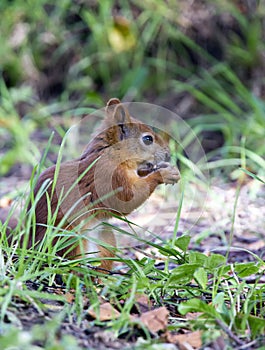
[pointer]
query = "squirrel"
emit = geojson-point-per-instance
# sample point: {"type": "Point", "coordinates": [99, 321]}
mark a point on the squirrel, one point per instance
{"type": "Point", "coordinates": [118, 170]}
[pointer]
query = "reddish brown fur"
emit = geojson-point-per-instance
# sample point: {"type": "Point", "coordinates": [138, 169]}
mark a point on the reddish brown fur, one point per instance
{"type": "Point", "coordinates": [124, 157]}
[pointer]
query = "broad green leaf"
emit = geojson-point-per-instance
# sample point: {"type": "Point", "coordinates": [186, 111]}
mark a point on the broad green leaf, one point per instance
{"type": "Point", "coordinates": [183, 243]}
{"type": "Point", "coordinates": [214, 261]}
{"type": "Point", "coordinates": [197, 258]}
{"type": "Point", "coordinates": [183, 274]}
{"type": "Point", "coordinates": [197, 305]}
{"type": "Point", "coordinates": [257, 325]}
{"type": "Point", "coordinates": [246, 269]}
{"type": "Point", "coordinates": [218, 302]}
{"type": "Point", "coordinates": [201, 277]}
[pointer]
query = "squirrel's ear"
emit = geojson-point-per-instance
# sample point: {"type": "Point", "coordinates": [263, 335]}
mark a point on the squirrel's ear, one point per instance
{"type": "Point", "coordinates": [119, 113]}
{"type": "Point", "coordinates": [113, 101]}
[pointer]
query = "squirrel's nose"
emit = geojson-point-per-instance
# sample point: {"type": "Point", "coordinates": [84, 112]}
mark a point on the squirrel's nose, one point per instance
{"type": "Point", "coordinates": [167, 157]}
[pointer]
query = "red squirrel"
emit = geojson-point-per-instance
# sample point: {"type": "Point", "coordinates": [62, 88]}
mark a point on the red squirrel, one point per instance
{"type": "Point", "coordinates": [119, 169]}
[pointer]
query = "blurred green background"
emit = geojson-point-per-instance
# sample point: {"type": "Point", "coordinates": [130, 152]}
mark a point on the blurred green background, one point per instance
{"type": "Point", "coordinates": [203, 59]}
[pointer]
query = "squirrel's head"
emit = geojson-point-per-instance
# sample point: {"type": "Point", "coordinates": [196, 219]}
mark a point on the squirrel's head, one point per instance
{"type": "Point", "coordinates": [131, 139]}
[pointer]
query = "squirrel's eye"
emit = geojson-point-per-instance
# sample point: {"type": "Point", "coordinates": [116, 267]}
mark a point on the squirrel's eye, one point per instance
{"type": "Point", "coordinates": [147, 139]}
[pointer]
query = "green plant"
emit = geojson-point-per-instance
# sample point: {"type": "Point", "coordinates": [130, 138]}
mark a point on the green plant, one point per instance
{"type": "Point", "coordinates": [14, 131]}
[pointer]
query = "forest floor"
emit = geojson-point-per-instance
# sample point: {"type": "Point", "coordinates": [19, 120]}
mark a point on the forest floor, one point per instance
{"type": "Point", "coordinates": [221, 218]}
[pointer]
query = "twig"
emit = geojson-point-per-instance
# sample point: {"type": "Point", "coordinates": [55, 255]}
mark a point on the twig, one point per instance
{"type": "Point", "coordinates": [229, 332]}
{"type": "Point", "coordinates": [247, 345]}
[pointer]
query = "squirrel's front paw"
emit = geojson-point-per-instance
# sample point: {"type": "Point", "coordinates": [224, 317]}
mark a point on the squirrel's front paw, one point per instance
{"type": "Point", "coordinates": [169, 173]}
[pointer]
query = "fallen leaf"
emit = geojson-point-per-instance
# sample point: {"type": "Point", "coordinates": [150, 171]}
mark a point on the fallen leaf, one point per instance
{"type": "Point", "coordinates": [143, 303]}
{"type": "Point", "coordinates": [185, 341]}
{"type": "Point", "coordinates": [69, 297]}
{"type": "Point", "coordinates": [192, 315]}
{"type": "Point", "coordinates": [106, 312]}
{"type": "Point", "coordinates": [155, 320]}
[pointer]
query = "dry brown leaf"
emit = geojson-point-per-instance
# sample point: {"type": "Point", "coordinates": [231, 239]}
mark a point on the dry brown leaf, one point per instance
{"type": "Point", "coordinates": [155, 320]}
{"type": "Point", "coordinates": [185, 341]}
{"type": "Point", "coordinates": [69, 297]}
{"type": "Point", "coordinates": [106, 312]}
{"type": "Point", "coordinates": [143, 303]}
{"type": "Point", "coordinates": [192, 315]}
